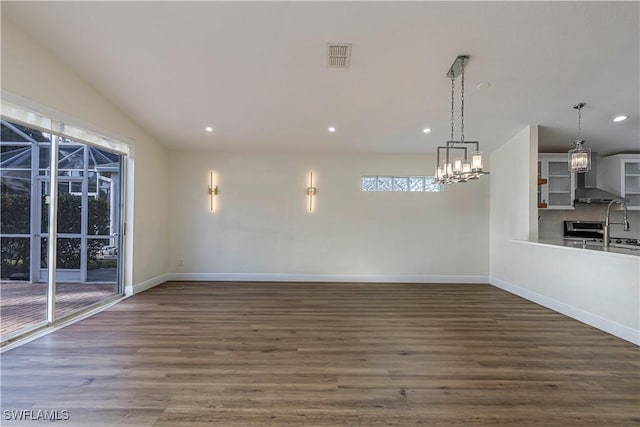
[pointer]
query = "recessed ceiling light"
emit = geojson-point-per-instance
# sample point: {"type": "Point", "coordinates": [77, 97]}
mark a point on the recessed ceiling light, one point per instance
{"type": "Point", "coordinates": [209, 129]}
{"type": "Point", "coordinates": [620, 118]}
{"type": "Point", "coordinates": [426, 130]}
{"type": "Point", "coordinates": [332, 129]}
{"type": "Point", "coordinates": [484, 85]}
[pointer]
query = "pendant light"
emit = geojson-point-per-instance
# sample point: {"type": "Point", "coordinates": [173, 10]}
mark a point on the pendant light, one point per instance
{"type": "Point", "coordinates": [579, 157]}
{"type": "Point", "coordinates": [457, 164]}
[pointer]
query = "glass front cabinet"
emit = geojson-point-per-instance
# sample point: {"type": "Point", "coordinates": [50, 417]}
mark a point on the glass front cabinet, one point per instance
{"type": "Point", "coordinates": [621, 175]}
{"type": "Point", "coordinates": [557, 185]}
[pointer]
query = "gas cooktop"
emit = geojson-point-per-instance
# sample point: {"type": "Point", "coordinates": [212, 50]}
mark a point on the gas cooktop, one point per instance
{"type": "Point", "coordinates": [615, 242]}
{"type": "Point", "coordinates": [631, 243]}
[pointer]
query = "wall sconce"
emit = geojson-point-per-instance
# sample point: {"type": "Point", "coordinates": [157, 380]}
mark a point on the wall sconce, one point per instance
{"type": "Point", "coordinates": [311, 191]}
{"type": "Point", "coordinates": [213, 191]}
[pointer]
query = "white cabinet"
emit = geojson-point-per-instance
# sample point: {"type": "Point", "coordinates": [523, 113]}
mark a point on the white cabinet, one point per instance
{"type": "Point", "coordinates": [621, 175]}
{"type": "Point", "coordinates": [559, 191]}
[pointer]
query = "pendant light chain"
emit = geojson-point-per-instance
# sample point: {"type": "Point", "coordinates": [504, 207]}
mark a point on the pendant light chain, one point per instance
{"type": "Point", "coordinates": [580, 124]}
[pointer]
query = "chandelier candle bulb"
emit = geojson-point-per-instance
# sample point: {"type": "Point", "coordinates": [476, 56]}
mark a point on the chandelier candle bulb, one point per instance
{"type": "Point", "coordinates": [457, 166]}
{"type": "Point", "coordinates": [476, 161]}
{"type": "Point", "coordinates": [466, 168]}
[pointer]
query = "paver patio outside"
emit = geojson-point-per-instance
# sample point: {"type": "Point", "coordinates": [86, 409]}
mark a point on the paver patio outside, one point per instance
{"type": "Point", "coordinates": [23, 304]}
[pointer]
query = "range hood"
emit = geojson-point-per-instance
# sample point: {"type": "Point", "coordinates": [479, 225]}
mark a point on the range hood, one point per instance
{"type": "Point", "coordinates": [587, 190]}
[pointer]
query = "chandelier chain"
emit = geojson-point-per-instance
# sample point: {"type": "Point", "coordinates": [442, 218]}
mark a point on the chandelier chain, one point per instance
{"type": "Point", "coordinates": [452, 92]}
{"type": "Point", "coordinates": [462, 102]}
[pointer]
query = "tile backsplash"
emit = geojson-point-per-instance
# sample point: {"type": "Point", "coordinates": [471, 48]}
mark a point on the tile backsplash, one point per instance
{"type": "Point", "coordinates": [550, 222]}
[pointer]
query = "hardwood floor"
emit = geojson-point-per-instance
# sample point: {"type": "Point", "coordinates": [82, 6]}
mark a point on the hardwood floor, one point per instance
{"type": "Point", "coordinates": [256, 354]}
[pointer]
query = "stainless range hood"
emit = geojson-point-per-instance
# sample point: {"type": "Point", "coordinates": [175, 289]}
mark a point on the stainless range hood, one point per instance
{"type": "Point", "coordinates": [587, 190]}
{"type": "Point", "coordinates": [593, 195]}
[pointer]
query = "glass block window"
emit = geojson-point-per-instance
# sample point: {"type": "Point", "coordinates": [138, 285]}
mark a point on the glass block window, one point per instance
{"type": "Point", "coordinates": [384, 183]}
{"type": "Point", "coordinates": [369, 183]}
{"type": "Point", "coordinates": [416, 183]}
{"type": "Point", "coordinates": [401, 183]}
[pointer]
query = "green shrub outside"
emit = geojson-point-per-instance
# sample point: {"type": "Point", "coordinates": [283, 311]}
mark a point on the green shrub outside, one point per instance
{"type": "Point", "coordinates": [15, 219]}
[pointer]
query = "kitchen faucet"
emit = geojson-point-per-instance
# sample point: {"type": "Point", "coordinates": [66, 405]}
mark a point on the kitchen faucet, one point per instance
{"type": "Point", "coordinates": [607, 223]}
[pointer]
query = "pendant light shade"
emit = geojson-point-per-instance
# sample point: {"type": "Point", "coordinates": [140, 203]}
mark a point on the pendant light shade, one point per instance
{"type": "Point", "coordinates": [579, 160]}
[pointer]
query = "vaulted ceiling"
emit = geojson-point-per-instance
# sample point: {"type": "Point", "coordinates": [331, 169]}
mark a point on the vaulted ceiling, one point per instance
{"type": "Point", "coordinates": [256, 72]}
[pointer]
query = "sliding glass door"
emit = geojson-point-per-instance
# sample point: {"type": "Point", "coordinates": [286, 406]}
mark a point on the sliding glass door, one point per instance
{"type": "Point", "coordinates": [87, 185]}
{"type": "Point", "coordinates": [23, 302]}
{"type": "Point", "coordinates": [88, 239]}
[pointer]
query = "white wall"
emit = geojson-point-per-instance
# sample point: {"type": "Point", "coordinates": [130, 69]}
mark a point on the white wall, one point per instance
{"type": "Point", "coordinates": [262, 229]}
{"type": "Point", "coordinates": [598, 288]}
{"type": "Point", "coordinates": [33, 73]}
{"type": "Point", "coordinates": [513, 189]}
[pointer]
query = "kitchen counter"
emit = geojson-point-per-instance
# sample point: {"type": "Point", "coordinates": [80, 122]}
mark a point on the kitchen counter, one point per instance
{"type": "Point", "coordinates": [590, 245]}
{"type": "Point", "coordinates": [599, 288]}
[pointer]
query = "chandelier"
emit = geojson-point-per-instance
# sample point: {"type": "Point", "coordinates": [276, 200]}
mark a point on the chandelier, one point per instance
{"type": "Point", "coordinates": [579, 157]}
{"type": "Point", "coordinates": [455, 163]}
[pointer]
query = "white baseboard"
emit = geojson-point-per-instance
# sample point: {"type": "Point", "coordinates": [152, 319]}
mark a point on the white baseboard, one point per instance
{"type": "Point", "coordinates": [274, 277]}
{"type": "Point", "coordinates": [347, 278]}
{"type": "Point", "coordinates": [147, 284]}
{"type": "Point", "coordinates": [606, 325]}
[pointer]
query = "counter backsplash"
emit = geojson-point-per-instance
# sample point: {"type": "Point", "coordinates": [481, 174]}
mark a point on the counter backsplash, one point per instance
{"type": "Point", "coordinates": [550, 222]}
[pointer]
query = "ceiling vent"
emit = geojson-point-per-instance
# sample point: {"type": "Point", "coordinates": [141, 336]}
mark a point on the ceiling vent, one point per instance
{"type": "Point", "coordinates": [338, 55]}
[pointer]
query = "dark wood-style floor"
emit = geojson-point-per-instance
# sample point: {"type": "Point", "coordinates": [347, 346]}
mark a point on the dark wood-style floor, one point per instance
{"type": "Point", "coordinates": [257, 354]}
